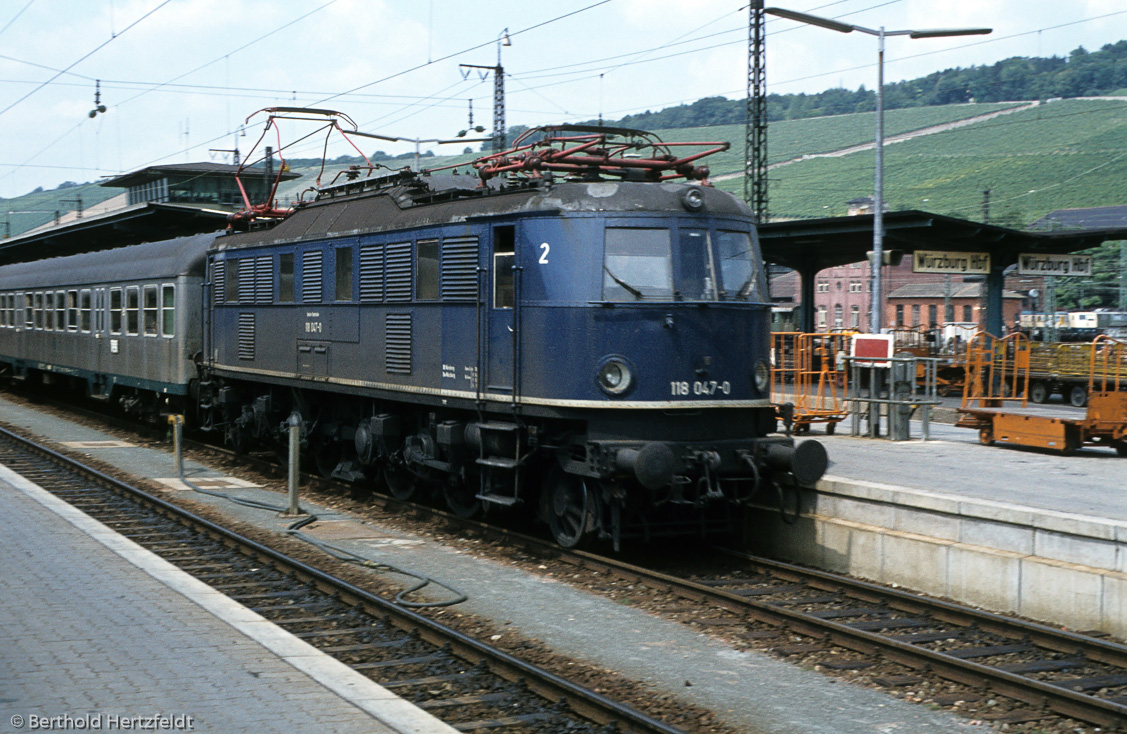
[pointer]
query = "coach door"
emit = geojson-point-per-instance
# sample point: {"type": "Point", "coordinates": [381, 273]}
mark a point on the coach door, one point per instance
{"type": "Point", "coordinates": [501, 304]}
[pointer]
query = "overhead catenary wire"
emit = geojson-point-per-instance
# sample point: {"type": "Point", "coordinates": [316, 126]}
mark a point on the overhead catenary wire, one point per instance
{"type": "Point", "coordinates": [523, 84]}
{"type": "Point", "coordinates": [98, 48]}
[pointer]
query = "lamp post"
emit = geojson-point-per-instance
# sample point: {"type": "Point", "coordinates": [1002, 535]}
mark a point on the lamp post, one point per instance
{"type": "Point", "coordinates": [875, 317]}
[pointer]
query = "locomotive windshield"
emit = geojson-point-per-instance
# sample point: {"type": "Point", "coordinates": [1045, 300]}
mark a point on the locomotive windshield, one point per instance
{"type": "Point", "coordinates": [638, 264]}
{"type": "Point", "coordinates": [642, 264]}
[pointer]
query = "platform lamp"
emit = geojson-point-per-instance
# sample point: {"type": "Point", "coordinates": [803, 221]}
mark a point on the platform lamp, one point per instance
{"type": "Point", "coordinates": [878, 193]}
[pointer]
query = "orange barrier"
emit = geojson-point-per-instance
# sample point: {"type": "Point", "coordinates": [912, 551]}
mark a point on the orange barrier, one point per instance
{"type": "Point", "coordinates": [1109, 365]}
{"type": "Point", "coordinates": [807, 373]}
{"type": "Point", "coordinates": [997, 370]}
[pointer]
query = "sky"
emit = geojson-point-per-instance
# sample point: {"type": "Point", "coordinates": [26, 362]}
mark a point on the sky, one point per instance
{"type": "Point", "coordinates": [179, 78]}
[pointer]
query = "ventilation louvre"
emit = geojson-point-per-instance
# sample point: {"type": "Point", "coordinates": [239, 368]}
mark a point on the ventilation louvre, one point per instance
{"type": "Point", "coordinates": [397, 343]}
{"type": "Point", "coordinates": [399, 274]}
{"type": "Point", "coordinates": [246, 336]}
{"type": "Point", "coordinates": [312, 276]}
{"type": "Point", "coordinates": [459, 269]}
{"type": "Point", "coordinates": [371, 273]}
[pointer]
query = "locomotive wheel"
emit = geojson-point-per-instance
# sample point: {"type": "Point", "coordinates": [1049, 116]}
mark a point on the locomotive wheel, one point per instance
{"type": "Point", "coordinates": [401, 483]}
{"type": "Point", "coordinates": [1038, 392]}
{"type": "Point", "coordinates": [1078, 396]}
{"type": "Point", "coordinates": [326, 456]}
{"type": "Point", "coordinates": [461, 498]}
{"type": "Point", "coordinates": [570, 509]}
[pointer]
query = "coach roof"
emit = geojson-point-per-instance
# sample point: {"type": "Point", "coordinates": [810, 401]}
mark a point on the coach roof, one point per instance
{"type": "Point", "coordinates": [166, 259]}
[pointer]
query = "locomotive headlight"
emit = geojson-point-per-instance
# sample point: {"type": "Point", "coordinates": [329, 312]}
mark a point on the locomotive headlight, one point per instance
{"type": "Point", "coordinates": [615, 376]}
{"type": "Point", "coordinates": [692, 199]}
{"type": "Point", "coordinates": [762, 376]}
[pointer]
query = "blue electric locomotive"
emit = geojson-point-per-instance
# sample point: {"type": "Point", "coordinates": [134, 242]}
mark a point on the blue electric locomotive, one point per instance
{"type": "Point", "coordinates": [563, 328]}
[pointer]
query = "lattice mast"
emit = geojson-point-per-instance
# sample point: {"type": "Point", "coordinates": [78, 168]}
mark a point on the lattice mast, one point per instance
{"type": "Point", "coordinates": [755, 148]}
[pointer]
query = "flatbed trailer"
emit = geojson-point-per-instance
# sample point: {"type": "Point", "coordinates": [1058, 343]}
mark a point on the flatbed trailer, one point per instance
{"type": "Point", "coordinates": [1103, 424]}
{"type": "Point", "coordinates": [1064, 368]}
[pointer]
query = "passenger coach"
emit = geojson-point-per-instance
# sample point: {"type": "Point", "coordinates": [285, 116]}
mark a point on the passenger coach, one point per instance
{"type": "Point", "coordinates": [119, 325]}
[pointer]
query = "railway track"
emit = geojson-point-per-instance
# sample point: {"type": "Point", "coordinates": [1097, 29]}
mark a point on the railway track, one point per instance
{"type": "Point", "coordinates": [468, 684]}
{"type": "Point", "coordinates": [1048, 670]}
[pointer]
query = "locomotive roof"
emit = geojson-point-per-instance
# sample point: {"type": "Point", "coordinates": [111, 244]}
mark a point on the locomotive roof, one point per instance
{"type": "Point", "coordinates": [413, 202]}
{"type": "Point", "coordinates": [149, 261]}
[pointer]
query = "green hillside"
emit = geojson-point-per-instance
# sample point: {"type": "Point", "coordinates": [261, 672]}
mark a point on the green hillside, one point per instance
{"type": "Point", "coordinates": [1068, 153]}
{"type": "Point", "coordinates": [37, 208]}
{"type": "Point", "coordinates": [790, 139]}
{"type": "Point", "coordinates": [1060, 155]}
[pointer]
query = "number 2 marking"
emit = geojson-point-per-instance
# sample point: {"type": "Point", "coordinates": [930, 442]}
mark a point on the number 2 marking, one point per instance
{"type": "Point", "coordinates": [544, 255]}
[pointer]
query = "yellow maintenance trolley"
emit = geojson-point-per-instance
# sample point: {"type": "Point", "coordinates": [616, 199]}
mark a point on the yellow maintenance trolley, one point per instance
{"type": "Point", "coordinates": [1001, 372]}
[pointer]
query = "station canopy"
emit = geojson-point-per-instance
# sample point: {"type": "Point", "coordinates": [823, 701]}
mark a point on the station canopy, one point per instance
{"type": "Point", "coordinates": [812, 245]}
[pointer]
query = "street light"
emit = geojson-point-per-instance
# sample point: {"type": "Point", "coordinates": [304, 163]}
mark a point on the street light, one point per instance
{"type": "Point", "coordinates": [878, 193]}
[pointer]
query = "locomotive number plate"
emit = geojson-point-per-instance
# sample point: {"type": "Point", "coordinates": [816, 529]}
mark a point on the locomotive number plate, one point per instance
{"type": "Point", "coordinates": [700, 387]}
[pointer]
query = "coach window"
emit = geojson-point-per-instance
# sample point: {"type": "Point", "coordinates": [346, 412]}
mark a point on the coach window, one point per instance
{"type": "Point", "coordinates": [49, 310]}
{"type": "Point", "coordinates": [132, 310]}
{"type": "Point", "coordinates": [60, 310]}
{"type": "Point", "coordinates": [426, 271]}
{"type": "Point", "coordinates": [115, 310]}
{"type": "Point", "coordinates": [28, 311]}
{"type": "Point", "coordinates": [285, 278]}
{"type": "Point", "coordinates": [72, 310]}
{"type": "Point", "coordinates": [503, 241]}
{"type": "Point", "coordinates": [343, 275]}
{"type": "Point", "coordinates": [84, 308]}
{"type": "Point", "coordinates": [168, 310]}
{"type": "Point", "coordinates": [150, 310]}
{"type": "Point", "coordinates": [100, 310]}
{"type": "Point", "coordinates": [38, 301]}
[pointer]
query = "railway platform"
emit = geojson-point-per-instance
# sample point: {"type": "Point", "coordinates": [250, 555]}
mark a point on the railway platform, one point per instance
{"type": "Point", "coordinates": [748, 691]}
{"type": "Point", "coordinates": [102, 635]}
{"type": "Point", "coordinates": [1011, 529]}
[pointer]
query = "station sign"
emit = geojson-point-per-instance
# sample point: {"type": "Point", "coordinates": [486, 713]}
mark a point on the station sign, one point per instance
{"type": "Point", "coordinates": [951, 263]}
{"type": "Point", "coordinates": [1028, 264]}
